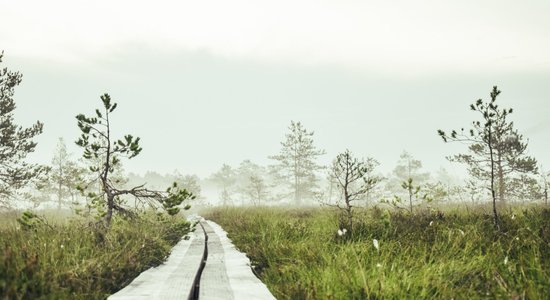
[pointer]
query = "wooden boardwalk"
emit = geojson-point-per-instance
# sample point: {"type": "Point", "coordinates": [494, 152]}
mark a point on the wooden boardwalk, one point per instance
{"type": "Point", "coordinates": [205, 266]}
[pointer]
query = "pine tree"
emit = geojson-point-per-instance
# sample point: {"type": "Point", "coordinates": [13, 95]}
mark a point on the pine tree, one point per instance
{"type": "Point", "coordinates": [251, 182]}
{"type": "Point", "coordinates": [65, 175]}
{"type": "Point", "coordinates": [407, 167]}
{"type": "Point", "coordinates": [297, 161]}
{"type": "Point", "coordinates": [16, 142]}
{"type": "Point", "coordinates": [225, 178]}
{"type": "Point", "coordinates": [496, 149]}
{"type": "Point", "coordinates": [188, 182]}
{"type": "Point", "coordinates": [354, 178]}
{"type": "Point", "coordinates": [98, 144]}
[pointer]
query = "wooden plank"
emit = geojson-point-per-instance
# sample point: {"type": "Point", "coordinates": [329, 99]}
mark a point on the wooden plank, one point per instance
{"type": "Point", "coordinates": [226, 273]}
{"type": "Point", "coordinates": [214, 283]}
{"type": "Point", "coordinates": [244, 284]}
{"type": "Point", "coordinates": [174, 278]}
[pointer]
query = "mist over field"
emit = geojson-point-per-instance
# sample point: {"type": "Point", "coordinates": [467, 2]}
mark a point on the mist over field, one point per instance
{"type": "Point", "coordinates": [204, 91]}
{"type": "Point", "coordinates": [352, 149]}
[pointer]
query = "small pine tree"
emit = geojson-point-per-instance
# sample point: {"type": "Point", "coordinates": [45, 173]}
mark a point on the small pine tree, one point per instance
{"type": "Point", "coordinates": [496, 150]}
{"type": "Point", "coordinates": [225, 178]}
{"type": "Point", "coordinates": [98, 144]}
{"type": "Point", "coordinates": [296, 161]}
{"type": "Point", "coordinates": [354, 178]}
{"type": "Point", "coordinates": [65, 175]}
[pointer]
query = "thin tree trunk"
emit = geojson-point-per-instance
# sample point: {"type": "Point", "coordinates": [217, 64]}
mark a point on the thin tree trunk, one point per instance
{"type": "Point", "coordinates": [495, 215]}
{"type": "Point", "coordinates": [410, 202]}
{"type": "Point", "coordinates": [501, 183]}
{"type": "Point", "coordinates": [110, 206]}
{"type": "Point", "coordinates": [410, 196]}
{"type": "Point", "coordinates": [59, 191]}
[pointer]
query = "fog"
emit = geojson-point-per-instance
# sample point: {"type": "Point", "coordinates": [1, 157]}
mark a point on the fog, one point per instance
{"type": "Point", "coordinates": [204, 89]}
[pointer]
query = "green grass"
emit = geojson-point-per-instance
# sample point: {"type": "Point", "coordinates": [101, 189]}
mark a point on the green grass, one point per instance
{"type": "Point", "coordinates": [298, 254]}
{"type": "Point", "coordinates": [73, 259]}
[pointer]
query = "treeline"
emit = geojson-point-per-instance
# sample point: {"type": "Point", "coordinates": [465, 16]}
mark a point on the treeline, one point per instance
{"type": "Point", "coordinates": [499, 167]}
{"type": "Point", "coordinates": [296, 178]}
{"type": "Point", "coordinates": [496, 157]}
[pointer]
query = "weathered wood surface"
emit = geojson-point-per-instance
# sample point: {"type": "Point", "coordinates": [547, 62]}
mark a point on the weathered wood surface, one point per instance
{"type": "Point", "coordinates": [244, 284]}
{"type": "Point", "coordinates": [214, 283]}
{"type": "Point", "coordinates": [226, 273]}
{"type": "Point", "coordinates": [171, 280]}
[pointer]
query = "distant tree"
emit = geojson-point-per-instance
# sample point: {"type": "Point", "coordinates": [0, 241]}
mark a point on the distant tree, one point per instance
{"type": "Point", "coordinates": [98, 144]}
{"type": "Point", "coordinates": [524, 188]}
{"type": "Point", "coordinates": [297, 161]}
{"type": "Point", "coordinates": [407, 168]}
{"type": "Point", "coordinates": [225, 178]}
{"type": "Point", "coordinates": [496, 149]}
{"type": "Point", "coordinates": [190, 183]}
{"type": "Point", "coordinates": [256, 189]}
{"type": "Point", "coordinates": [437, 191]}
{"type": "Point", "coordinates": [65, 175]}
{"type": "Point", "coordinates": [16, 142]}
{"type": "Point", "coordinates": [413, 192]}
{"type": "Point", "coordinates": [544, 178]}
{"type": "Point", "coordinates": [474, 190]}
{"type": "Point", "coordinates": [251, 182]}
{"type": "Point", "coordinates": [355, 178]}
{"type": "Point", "coordinates": [155, 180]}
{"type": "Point", "coordinates": [445, 187]}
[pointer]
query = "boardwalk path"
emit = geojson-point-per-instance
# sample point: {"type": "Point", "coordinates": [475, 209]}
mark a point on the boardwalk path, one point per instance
{"type": "Point", "coordinates": [225, 273]}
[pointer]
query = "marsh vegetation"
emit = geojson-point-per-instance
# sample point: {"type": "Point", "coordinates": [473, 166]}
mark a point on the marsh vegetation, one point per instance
{"type": "Point", "coordinates": [452, 252]}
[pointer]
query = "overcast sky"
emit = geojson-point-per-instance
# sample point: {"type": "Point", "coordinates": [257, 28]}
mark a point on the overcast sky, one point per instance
{"type": "Point", "coordinates": [210, 82]}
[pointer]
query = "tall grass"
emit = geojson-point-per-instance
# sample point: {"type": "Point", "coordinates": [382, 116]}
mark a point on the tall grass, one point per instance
{"type": "Point", "coordinates": [444, 255]}
{"type": "Point", "coordinates": [74, 259]}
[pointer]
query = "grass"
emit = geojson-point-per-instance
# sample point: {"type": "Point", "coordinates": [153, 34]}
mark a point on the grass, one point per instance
{"type": "Point", "coordinates": [299, 255]}
{"type": "Point", "coordinates": [70, 258]}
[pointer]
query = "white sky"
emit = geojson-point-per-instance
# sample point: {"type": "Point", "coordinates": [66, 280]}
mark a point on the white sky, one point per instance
{"type": "Point", "coordinates": [246, 68]}
{"type": "Point", "coordinates": [402, 36]}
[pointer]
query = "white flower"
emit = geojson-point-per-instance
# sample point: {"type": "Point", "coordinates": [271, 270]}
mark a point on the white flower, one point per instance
{"type": "Point", "coordinates": [513, 217]}
{"type": "Point", "coordinates": [376, 245]}
{"type": "Point", "coordinates": [517, 238]}
{"type": "Point", "coordinates": [506, 260]}
{"type": "Point", "coordinates": [342, 232]}
{"type": "Point", "coordinates": [62, 246]}
{"type": "Point", "coordinates": [431, 223]}
{"type": "Point", "coordinates": [379, 265]}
